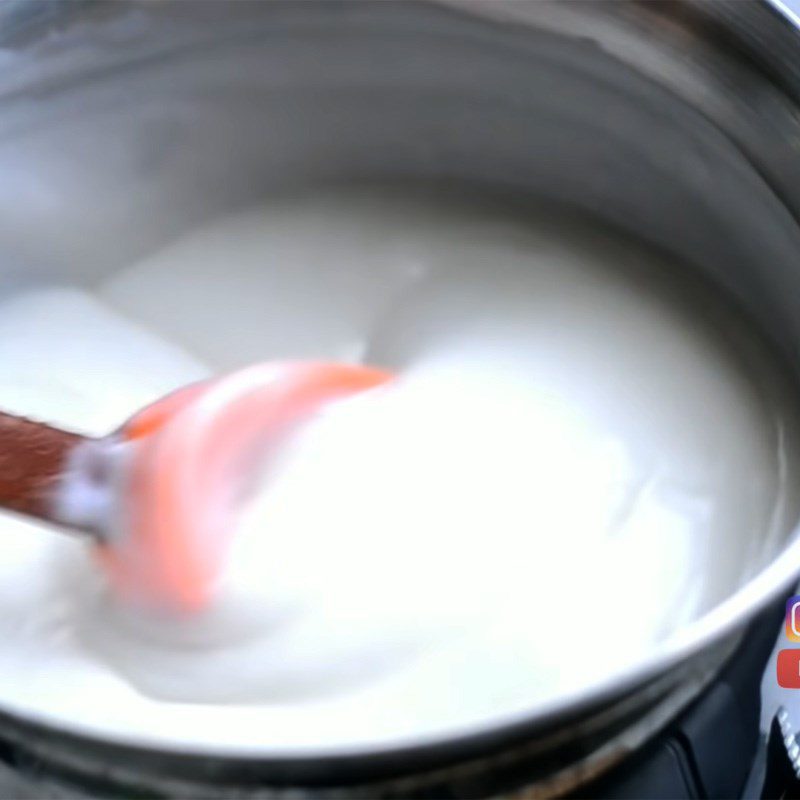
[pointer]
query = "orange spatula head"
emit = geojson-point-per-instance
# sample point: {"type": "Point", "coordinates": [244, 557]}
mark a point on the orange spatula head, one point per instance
{"type": "Point", "coordinates": [189, 453]}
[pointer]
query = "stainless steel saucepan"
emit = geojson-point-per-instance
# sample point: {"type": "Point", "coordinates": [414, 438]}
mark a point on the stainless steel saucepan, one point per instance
{"type": "Point", "coordinates": [123, 124]}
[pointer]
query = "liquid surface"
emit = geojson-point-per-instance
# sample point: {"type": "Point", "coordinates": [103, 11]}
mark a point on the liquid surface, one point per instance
{"type": "Point", "coordinates": [583, 452]}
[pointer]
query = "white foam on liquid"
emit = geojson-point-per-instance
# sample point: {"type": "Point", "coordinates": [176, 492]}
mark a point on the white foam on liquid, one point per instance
{"type": "Point", "coordinates": [573, 461]}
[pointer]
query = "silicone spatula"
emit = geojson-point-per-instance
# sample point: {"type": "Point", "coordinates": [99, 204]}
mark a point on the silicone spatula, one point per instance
{"type": "Point", "coordinates": [156, 495]}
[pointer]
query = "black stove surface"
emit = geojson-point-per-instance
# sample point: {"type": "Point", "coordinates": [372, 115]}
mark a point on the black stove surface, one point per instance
{"type": "Point", "coordinates": [715, 749]}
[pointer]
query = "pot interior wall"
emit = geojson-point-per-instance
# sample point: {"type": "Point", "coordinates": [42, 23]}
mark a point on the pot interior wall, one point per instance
{"type": "Point", "coordinates": [120, 132]}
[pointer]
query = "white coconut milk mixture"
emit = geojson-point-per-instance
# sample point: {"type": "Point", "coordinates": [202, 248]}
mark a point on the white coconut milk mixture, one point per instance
{"type": "Point", "coordinates": [570, 466]}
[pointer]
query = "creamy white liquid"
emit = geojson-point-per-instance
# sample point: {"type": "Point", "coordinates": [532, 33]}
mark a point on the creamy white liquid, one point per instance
{"type": "Point", "coordinates": [573, 461]}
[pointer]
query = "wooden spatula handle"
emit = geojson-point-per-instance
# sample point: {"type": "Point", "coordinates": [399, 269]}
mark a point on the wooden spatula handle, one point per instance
{"type": "Point", "coordinates": [32, 457]}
